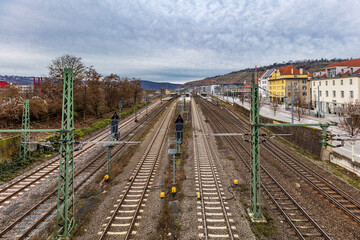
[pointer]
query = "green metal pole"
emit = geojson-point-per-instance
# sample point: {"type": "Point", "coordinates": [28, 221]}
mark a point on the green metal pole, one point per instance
{"type": "Point", "coordinates": [255, 185]}
{"type": "Point", "coordinates": [174, 166]}
{"type": "Point", "coordinates": [108, 160]}
{"type": "Point", "coordinates": [25, 136]}
{"type": "Point", "coordinates": [120, 106]}
{"type": "Point", "coordinates": [135, 110]}
{"type": "Point", "coordinates": [65, 220]}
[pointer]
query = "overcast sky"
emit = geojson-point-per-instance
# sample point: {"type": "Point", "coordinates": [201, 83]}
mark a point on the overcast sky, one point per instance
{"type": "Point", "coordinates": [174, 40]}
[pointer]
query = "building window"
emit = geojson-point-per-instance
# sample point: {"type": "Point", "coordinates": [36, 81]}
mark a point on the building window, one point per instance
{"type": "Point", "coordinates": [319, 83]}
{"type": "Point", "coordinates": [351, 94]}
{"type": "Point", "coordinates": [314, 84]}
{"type": "Point", "coordinates": [333, 82]}
{"type": "Point", "coordinates": [334, 93]}
{"type": "Point", "coordinates": [342, 94]}
{"type": "Point", "coordinates": [342, 82]}
{"type": "Point", "coordinates": [326, 93]}
{"type": "Point", "coordinates": [350, 81]}
{"type": "Point", "coordinates": [319, 93]}
{"type": "Point", "coordinates": [326, 83]}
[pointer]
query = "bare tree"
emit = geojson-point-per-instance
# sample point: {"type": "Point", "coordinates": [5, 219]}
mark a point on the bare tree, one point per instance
{"type": "Point", "coordinates": [95, 92]}
{"type": "Point", "coordinates": [299, 107]}
{"type": "Point", "coordinates": [242, 98]}
{"type": "Point", "coordinates": [275, 105]}
{"type": "Point", "coordinates": [57, 65]}
{"type": "Point", "coordinates": [349, 120]}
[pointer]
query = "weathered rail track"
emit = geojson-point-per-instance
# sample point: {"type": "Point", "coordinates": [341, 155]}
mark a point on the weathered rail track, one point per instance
{"type": "Point", "coordinates": [33, 218]}
{"type": "Point", "coordinates": [34, 177]}
{"type": "Point", "coordinates": [215, 219]}
{"type": "Point", "coordinates": [299, 219]}
{"type": "Point", "coordinates": [343, 201]}
{"type": "Point", "coordinates": [128, 207]}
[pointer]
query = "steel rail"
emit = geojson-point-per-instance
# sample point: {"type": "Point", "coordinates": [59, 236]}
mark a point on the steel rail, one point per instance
{"type": "Point", "coordinates": [197, 157]}
{"type": "Point", "coordinates": [51, 162]}
{"type": "Point", "coordinates": [270, 147]}
{"type": "Point", "coordinates": [49, 212]}
{"type": "Point", "coordinates": [108, 225]}
{"type": "Point", "coordinates": [297, 230]}
{"type": "Point", "coordinates": [210, 154]}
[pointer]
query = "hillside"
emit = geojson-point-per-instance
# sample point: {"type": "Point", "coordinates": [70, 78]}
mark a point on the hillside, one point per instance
{"type": "Point", "coordinates": [158, 85]}
{"type": "Point", "coordinates": [244, 76]}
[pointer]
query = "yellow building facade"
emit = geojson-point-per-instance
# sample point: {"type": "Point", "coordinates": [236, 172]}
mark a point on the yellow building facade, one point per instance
{"type": "Point", "coordinates": [280, 81]}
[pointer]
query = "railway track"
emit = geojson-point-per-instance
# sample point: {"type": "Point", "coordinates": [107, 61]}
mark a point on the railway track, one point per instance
{"type": "Point", "coordinates": [215, 219]}
{"type": "Point", "coordinates": [302, 223]}
{"type": "Point", "coordinates": [344, 202]}
{"type": "Point", "coordinates": [133, 198]}
{"type": "Point", "coordinates": [33, 218]}
{"type": "Point", "coordinates": [45, 171]}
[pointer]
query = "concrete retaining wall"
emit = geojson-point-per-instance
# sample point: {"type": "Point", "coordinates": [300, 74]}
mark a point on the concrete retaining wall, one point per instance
{"type": "Point", "coordinates": [8, 147]}
{"type": "Point", "coordinates": [307, 138]}
{"type": "Point", "coordinates": [345, 162]}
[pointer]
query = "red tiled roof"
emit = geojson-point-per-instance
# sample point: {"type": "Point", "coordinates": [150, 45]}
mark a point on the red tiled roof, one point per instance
{"type": "Point", "coordinates": [349, 63]}
{"type": "Point", "coordinates": [262, 74]}
{"type": "Point", "coordinates": [3, 84]}
{"type": "Point", "coordinates": [347, 73]}
{"type": "Point", "coordinates": [357, 71]}
{"type": "Point", "coordinates": [311, 75]}
{"type": "Point", "coordinates": [287, 70]}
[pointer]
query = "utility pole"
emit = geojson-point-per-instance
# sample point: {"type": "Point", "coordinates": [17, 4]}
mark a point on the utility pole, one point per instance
{"type": "Point", "coordinates": [318, 102]}
{"type": "Point", "coordinates": [292, 104]}
{"type": "Point", "coordinates": [25, 136]}
{"type": "Point", "coordinates": [255, 125]}
{"type": "Point", "coordinates": [65, 218]}
{"type": "Point", "coordinates": [121, 105]}
{"type": "Point", "coordinates": [135, 110]}
{"type": "Point", "coordinates": [147, 102]}
{"type": "Point", "coordinates": [255, 184]}
{"type": "Point", "coordinates": [183, 109]}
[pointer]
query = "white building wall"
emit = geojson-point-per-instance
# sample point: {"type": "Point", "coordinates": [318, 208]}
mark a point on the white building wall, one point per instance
{"type": "Point", "coordinates": [334, 85]}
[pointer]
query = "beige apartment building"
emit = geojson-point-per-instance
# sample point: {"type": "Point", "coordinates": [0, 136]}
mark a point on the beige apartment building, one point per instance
{"type": "Point", "coordinates": [335, 85]}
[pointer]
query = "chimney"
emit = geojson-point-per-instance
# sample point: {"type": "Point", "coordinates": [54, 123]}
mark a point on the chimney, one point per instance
{"type": "Point", "coordinates": [292, 71]}
{"type": "Point", "coordinates": [301, 71]}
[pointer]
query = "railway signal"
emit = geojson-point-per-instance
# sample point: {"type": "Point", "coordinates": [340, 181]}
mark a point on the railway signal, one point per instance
{"type": "Point", "coordinates": [179, 132]}
{"type": "Point", "coordinates": [115, 135]}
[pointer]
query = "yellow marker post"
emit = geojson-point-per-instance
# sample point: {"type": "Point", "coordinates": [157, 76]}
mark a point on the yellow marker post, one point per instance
{"type": "Point", "coordinates": [236, 182]}
{"type": "Point", "coordinates": [106, 177]}
{"type": "Point", "coordinates": [198, 195]}
{"type": "Point", "coordinates": [173, 189]}
{"type": "Point", "coordinates": [162, 194]}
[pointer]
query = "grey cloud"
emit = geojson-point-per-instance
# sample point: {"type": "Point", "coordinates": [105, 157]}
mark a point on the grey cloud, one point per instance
{"type": "Point", "coordinates": [170, 37]}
